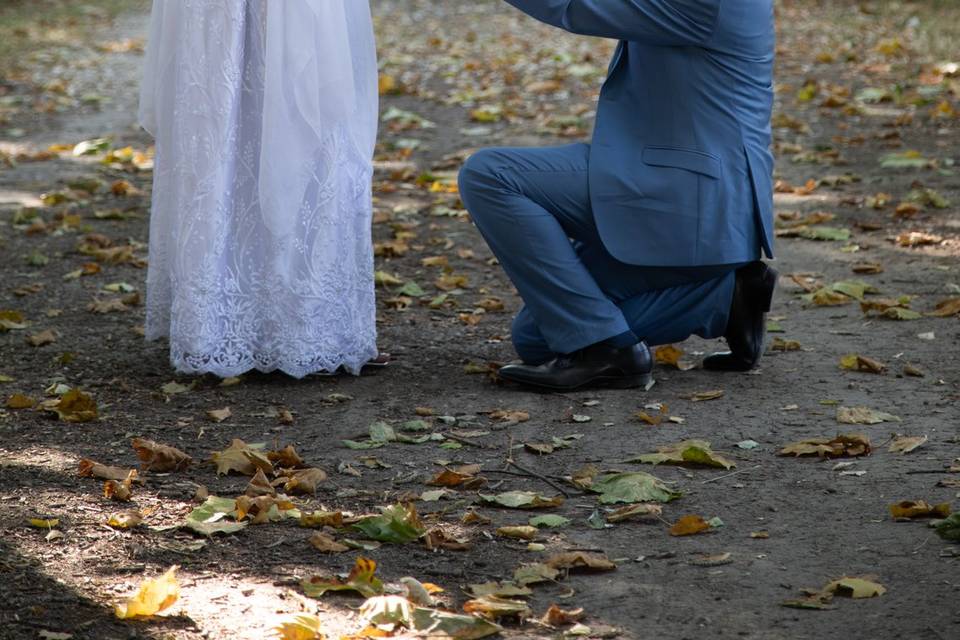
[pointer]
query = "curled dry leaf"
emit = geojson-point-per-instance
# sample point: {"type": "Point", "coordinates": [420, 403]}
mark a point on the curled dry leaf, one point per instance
{"type": "Point", "coordinates": [671, 356]}
{"type": "Point", "coordinates": [947, 308]}
{"type": "Point", "coordinates": [442, 538]}
{"type": "Point", "coordinates": [153, 596]}
{"type": "Point", "coordinates": [259, 485]}
{"type": "Point", "coordinates": [864, 415]}
{"type": "Point", "coordinates": [300, 627]}
{"type": "Point", "coordinates": [304, 481]}
{"type": "Point", "coordinates": [317, 519]}
{"type": "Point", "coordinates": [510, 417]}
{"type": "Point", "coordinates": [642, 510]}
{"type": "Point", "coordinates": [519, 532]}
{"type": "Point", "coordinates": [557, 617]}
{"type": "Point", "coordinates": [219, 415]}
{"type": "Point", "coordinates": [847, 444]}
{"type": "Point", "coordinates": [90, 469]}
{"type": "Point", "coordinates": [362, 579]}
{"type": "Point", "coordinates": [125, 519]}
{"type": "Point", "coordinates": [159, 457]}
{"type": "Point", "coordinates": [535, 573]}
{"type": "Point", "coordinates": [286, 458]}
{"type": "Point", "coordinates": [909, 509]}
{"type": "Point", "coordinates": [856, 362]}
{"type": "Point", "coordinates": [120, 491]}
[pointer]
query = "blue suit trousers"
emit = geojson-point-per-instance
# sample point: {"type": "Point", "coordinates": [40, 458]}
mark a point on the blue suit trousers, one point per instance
{"type": "Point", "coordinates": [533, 208]}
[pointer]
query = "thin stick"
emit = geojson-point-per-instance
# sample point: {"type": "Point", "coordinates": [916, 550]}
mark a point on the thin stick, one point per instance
{"type": "Point", "coordinates": [731, 474]}
{"type": "Point", "coordinates": [917, 471]}
{"type": "Point", "coordinates": [464, 441]}
{"type": "Point", "coordinates": [534, 474]}
{"type": "Point", "coordinates": [507, 472]}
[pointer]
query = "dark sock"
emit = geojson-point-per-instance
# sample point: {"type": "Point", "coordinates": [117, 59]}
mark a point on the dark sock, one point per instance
{"type": "Point", "coordinates": [623, 340]}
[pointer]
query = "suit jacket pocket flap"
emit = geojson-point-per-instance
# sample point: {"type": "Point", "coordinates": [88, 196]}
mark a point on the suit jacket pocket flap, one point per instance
{"type": "Point", "coordinates": [696, 161]}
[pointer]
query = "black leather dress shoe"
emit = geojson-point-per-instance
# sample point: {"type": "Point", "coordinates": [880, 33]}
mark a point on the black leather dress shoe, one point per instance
{"type": "Point", "coordinates": [746, 327]}
{"type": "Point", "coordinates": [596, 365]}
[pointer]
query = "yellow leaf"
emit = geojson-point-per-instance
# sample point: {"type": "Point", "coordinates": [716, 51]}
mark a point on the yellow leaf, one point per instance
{"type": "Point", "coordinates": [20, 401]}
{"type": "Point", "coordinates": [153, 596]}
{"type": "Point", "coordinates": [300, 627]}
{"type": "Point", "coordinates": [855, 588]}
{"type": "Point", "coordinates": [919, 509]}
{"type": "Point", "coordinates": [521, 532]}
{"type": "Point", "coordinates": [74, 406]}
{"type": "Point", "coordinates": [159, 457]}
{"type": "Point", "coordinates": [242, 458]}
{"type": "Point", "coordinates": [44, 523]}
{"type": "Point", "coordinates": [689, 525]}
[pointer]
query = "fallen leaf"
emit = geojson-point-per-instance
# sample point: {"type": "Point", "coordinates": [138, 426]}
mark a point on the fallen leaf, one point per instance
{"type": "Point", "coordinates": [671, 356]}
{"type": "Point", "coordinates": [120, 490]}
{"type": "Point", "coordinates": [73, 406]}
{"type": "Point", "coordinates": [947, 308]}
{"type": "Point", "coordinates": [580, 560]}
{"type": "Point", "coordinates": [864, 415]}
{"type": "Point", "coordinates": [361, 580]}
{"type": "Point", "coordinates": [557, 617]}
{"type": "Point", "coordinates": [259, 485]}
{"type": "Point", "coordinates": [909, 509]}
{"type": "Point", "coordinates": [519, 532]}
{"type": "Point", "coordinates": [241, 458]}
{"type": "Point", "coordinates": [510, 417]}
{"type": "Point", "coordinates": [549, 520]}
{"type": "Point", "coordinates": [535, 573]}
{"type": "Point", "coordinates": [159, 457]}
{"type": "Point", "coordinates": [219, 415]}
{"type": "Point", "coordinates": [632, 487]}
{"type": "Point", "coordinates": [855, 588]}
{"type": "Point", "coordinates": [20, 401]}
{"type": "Point", "coordinates": [208, 518]}
{"type": "Point", "coordinates": [856, 362]}
{"type": "Point", "coordinates": [521, 500]}
{"type": "Point", "coordinates": [88, 468]}
{"type": "Point", "coordinates": [640, 510]}
{"type": "Point", "coordinates": [318, 519]}
{"type": "Point", "coordinates": [703, 396]}
{"type": "Point", "coordinates": [906, 444]}
{"type": "Point", "coordinates": [304, 481]}
{"type": "Point", "coordinates": [689, 525]}
{"type": "Point", "coordinates": [300, 627]}
{"type": "Point", "coordinates": [43, 338]}
{"type": "Point", "coordinates": [494, 607]}
{"type": "Point", "coordinates": [286, 458]}
{"type": "Point", "coordinates": [851, 444]}
{"type": "Point", "coordinates": [153, 596]}
{"type": "Point", "coordinates": [949, 528]}
{"type": "Point", "coordinates": [326, 544]}
{"type": "Point", "coordinates": [434, 623]}
{"type": "Point", "coordinates": [125, 519]}
{"type": "Point", "coordinates": [687, 452]}
{"type": "Point", "coordinates": [396, 524]}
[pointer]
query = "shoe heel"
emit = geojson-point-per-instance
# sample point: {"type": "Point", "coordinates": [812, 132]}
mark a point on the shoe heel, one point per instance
{"type": "Point", "coordinates": [770, 277]}
{"type": "Point", "coordinates": [642, 381]}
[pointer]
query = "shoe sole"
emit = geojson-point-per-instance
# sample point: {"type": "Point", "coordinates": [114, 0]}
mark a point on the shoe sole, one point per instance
{"type": "Point", "coordinates": [644, 381]}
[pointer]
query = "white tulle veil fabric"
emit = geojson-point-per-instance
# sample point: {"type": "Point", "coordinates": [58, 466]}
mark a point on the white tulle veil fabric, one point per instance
{"type": "Point", "coordinates": [265, 117]}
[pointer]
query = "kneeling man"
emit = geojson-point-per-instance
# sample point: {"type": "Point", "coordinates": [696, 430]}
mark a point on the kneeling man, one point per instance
{"type": "Point", "coordinates": [654, 231]}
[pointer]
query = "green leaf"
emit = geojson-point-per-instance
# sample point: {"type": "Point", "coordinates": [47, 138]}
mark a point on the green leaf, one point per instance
{"type": "Point", "coordinates": [632, 487]}
{"type": "Point", "coordinates": [549, 520]}
{"type": "Point", "coordinates": [397, 524]}
{"type": "Point", "coordinates": [905, 160]}
{"type": "Point", "coordinates": [688, 452]}
{"type": "Point", "coordinates": [382, 432]}
{"type": "Point", "coordinates": [208, 518]}
{"type": "Point", "coordinates": [415, 425]}
{"type": "Point", "coordinates": [949, 528]}
{"type": "Point", "coordinates": [412, 289]}
{"type": "Point", "coordinates": [361, 579]}
{"type": "Point", "coordinates": [831, 234]}
{"type": "Point", "coordinates": [521, 500]}
{"type": "Point", "coordinates": [442, 624]}
{"type": "Point", "coordinates": [899, 313]}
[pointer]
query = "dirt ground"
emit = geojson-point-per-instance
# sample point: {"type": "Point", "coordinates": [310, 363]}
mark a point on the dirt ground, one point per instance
{"type": "Point", "coordinates": [861, 86]}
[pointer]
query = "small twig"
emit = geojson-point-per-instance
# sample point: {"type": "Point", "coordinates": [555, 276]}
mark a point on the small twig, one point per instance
{"type": "Point", "coordinates": [538, 476]}
{"type": "Point", "coordinates": [465, 441]}
{"type": "Point", "coordinates": [727, 475]}
{"type": "Point", "coordinates": [917, 471]}
{"type": "Point", "coordinates": [507, 472]}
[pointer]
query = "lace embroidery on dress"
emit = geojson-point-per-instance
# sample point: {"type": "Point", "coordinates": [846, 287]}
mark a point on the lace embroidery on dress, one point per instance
{"type": "Point", "coordinates": [230, 295]}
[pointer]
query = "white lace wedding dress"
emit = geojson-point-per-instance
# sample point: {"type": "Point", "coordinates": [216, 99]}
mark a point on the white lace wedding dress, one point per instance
{"type": "Point", "coordinates": [265, 117]}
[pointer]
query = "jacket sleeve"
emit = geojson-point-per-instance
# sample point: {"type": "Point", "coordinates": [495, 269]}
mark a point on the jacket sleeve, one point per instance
{"type": "Point", "coordinates": [659, 22]}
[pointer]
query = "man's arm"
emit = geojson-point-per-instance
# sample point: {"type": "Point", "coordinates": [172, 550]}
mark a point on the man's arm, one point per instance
{"type": "Point", "coordinates": [662, 22]}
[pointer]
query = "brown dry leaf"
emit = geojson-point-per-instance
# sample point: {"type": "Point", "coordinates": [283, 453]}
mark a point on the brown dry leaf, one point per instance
{"type": "Point", "coordinates": [441, 538]}
{"type": "Point", "coordinates": [856, 362]}
{"type": "Point", "coordinates": [947, 308]}
{"type": "Point", "coordinates": [242, 458]}
{"type": "Point", "coordinates": [906, 444]}
{"type": "Point", "coordinates": [20, 401]}
{"type": "Point", "coordinates": [286, 458]}
{"type": "Point", "coordinates": [159, 457]}
{"type": "Point", "coordinates": [635, 511]}
{"type": "Point", "coordinates": [219, 415]}
{"type": "Point", "coordinates": [153, 596]}
{"type": "Point", "coordinates": [73, 406]}
{"type": "Point", "coordinates": [510, 417]}
{"type": "Point", "coordinates": [689, 525]}
{"type": "Point", "coordinates": [42, 338]}
{"type": "Point", "coordinates": [318, 519]}
{"type": "Point", "coordinates": [491, 305]}
{"type": "Point", "coordinates": [326, 544]}
{"type": "Point", "coordinates": [917, 238]}
{"type": "Point", "coordinates": [451, 282]}
{"type": "Point", "coordinates": [304, 481]}
{"type": "Point", "coordinates": [909, 509]}
{"type": "Point", "coordinates": [120, 490]}
{"type": "Point", "coordinates": [867, 268]}
{"type": "Point", "coordinates": [556, 617]}
{"type": "Point", "coordinates": [259, 485]}
{"type": "Point", "coordinates": [262, 508]}
{"type": "Point", "coordinates": [847, 444]}
{"type": "Point", "coordinates": [580, 560]}
{"type": "Point", "coordinates": [779, 344]}
{"type": "Point", "coordinates": [450, 478]}
{"type": "Point", "coordinates": [90, 469]}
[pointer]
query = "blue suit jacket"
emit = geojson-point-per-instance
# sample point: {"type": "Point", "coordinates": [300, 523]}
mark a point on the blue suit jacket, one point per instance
{"type": "Point", "coordinates": [680, 165]}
